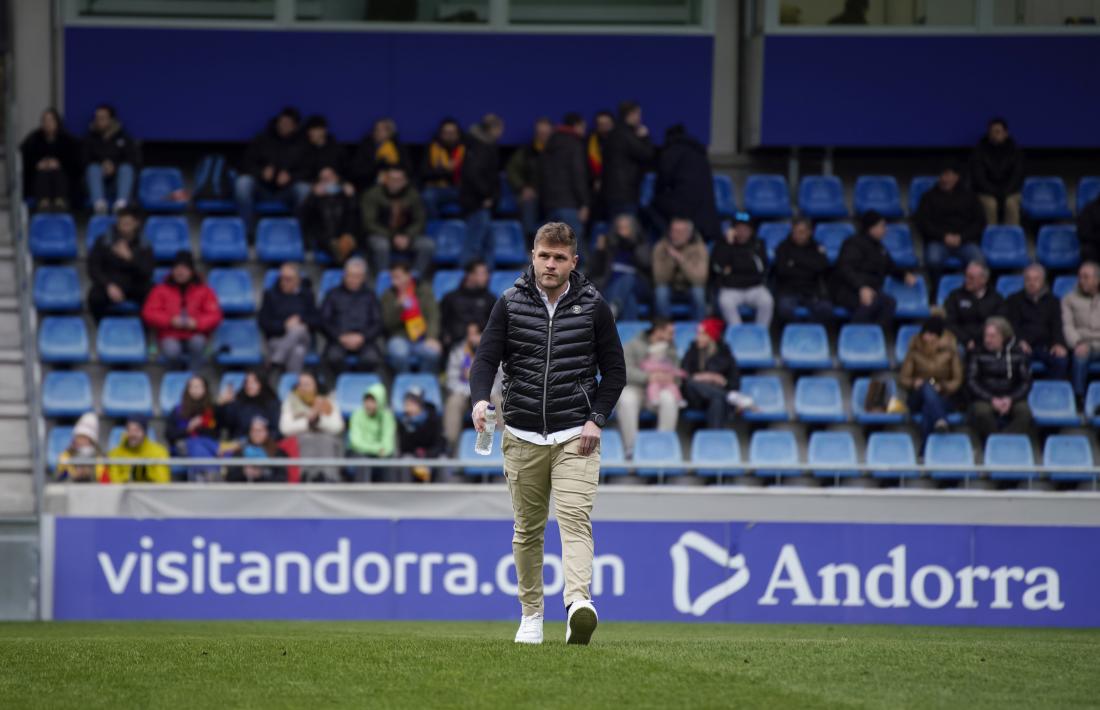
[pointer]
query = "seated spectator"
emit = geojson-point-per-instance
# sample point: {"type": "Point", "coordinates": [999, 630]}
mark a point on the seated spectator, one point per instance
{"type": "Point", "coordinates": [410, 316]}
{"type": "Point", "coordinates": [800, 269]}
{"type": "Point", "coordinates": [932, 373]}
{"type": "Point", "coordinates": [51, 164]}
{"type": "Point", "coordinates": [739, 263]}
{"type": "Point", "coordinates": [192, 429]}
{"type": "Point", "coordinates": [997, 173]}
{"type": "Point", "coordinates": [627, 154]}
{"type": "Point", "coordinates": [394, 218]}
{"type": "Point", "coordinates": [479, 188]}
{"type": "Point", "coordinates": [379, 149]}
{"type": "Point", "coordinates": [120, 266]}
{"type": "Point", "coordinates": [111, 158]}
{"type": "Point", "coordinates": [456, 407]}
{"type": "Point", "coordinates": [136, 444]}
{"type": "Point", "coordinates": [311, 417]}
{"type": "Point", "coordinates": [634, 397]}
{"type": "Point", "coordinates": [273, 167]}
{"type": "Point", "coordinates": [372, 434]}
{"type": "Point", "coordinates": [950, 219]}
{"type": "Point", "coordinates": [330, 217]}
{"type": "Point", "coordinates": [288, 317]}
{"type": "Point", "coordinates": [321, 151]}
{"type": "Point", "coordinates": [563, 175]}
{"type": "Point", "coordinates": [84, 444]}
{"type": "Point", "coordinates": [1088, 230]}
{"type": "Point", "coordinates": [237, 410]}
{"type": "Point", "coordinates": [471, 302]}
{"type": "Point", "coordinates": [712, 375]}
{"type": "Point", "coordinates": [351, 321]}
{"type": "Point", "coordinates": [1081, 324]}
{"type": "Point", "coordinates": [861, 271]}
{"type": "Point", "coordinates": [968, 307]}
{"type": "Point", "coordinates": [680, 262]}
{"type": "Point", "coordinates": [1036, 317]}
{"type": "Point", "coordinates": [998, 378]}
{"type": "Point", "coordinates": [258, 443]}
{"type": "Point", "coordinates": [443, 168]}
{"type": "Point", "coordinates": [419, 434]}
{"type": "Point", "coordinates": [522, 172]}
{"type": "Point", "coordinates": [182, 312]}
{"type": "Point", "coordinates": [620, 266]}
{"type": "Point", "coordinates": [685, 184]}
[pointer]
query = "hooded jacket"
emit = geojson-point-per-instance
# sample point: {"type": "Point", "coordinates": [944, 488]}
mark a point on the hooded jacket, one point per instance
{"type": "Point", "coordinates": [278, 305]}
{"type": "Point", "coordinates": [1081, 318]}
{"type": "Point", "coordinates": [168, 300]}
{"type": "Point", "coordinates": [114, 144]}
{"type": "Point", "coordinates": [940, 362]}
{"type": "Point", "coordinates": [347, 311]}
{"type": "Point", "coordinates": [269, 148]}
{"type": "Point", "coordinates": [800, 270]}
{"type": "Point", "coordinates": [998, 374]}
{"type": "Point", "coordinates": [106, 267]}
{"type": "Point", "coordinates": [956, 211]}
{"type": "Point", "coordinates": [739, 266]}
{"type": "Point", "coordinates": [997, 170]}
{"type": "Point", "coordinates": [480, 170]}
{"type": "Point", "coordinates": [667, 271]}
{"type": "Point", "coordinates": [138, 473]}
{"type": "Point", "coordinates": [422, 437]}
{"type": "Point", "coordinates": [626, 155]}
{"type": "Point", "coordinates": [863, 261]}
{"type": "Point", "coordinates": [563, 172]}
{"type": "Point", "coordinates": [685, 185]}
{"type": "Point", "coordinates": [373, 435]}
{"type": "Point", "coordinates": [1037, 321]}
{"type": "Point", "coordinates": [966, 312]}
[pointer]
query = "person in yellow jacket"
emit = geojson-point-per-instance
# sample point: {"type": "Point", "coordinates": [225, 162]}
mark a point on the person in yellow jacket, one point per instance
{"type": "Point", "coordinates": [135, 444]}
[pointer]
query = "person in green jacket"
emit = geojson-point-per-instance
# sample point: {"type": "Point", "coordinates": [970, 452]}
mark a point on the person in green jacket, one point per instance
{"type": "Point", "coordinates": [394, 220]}
{"type": "Point", "coordinates": [372, 434]}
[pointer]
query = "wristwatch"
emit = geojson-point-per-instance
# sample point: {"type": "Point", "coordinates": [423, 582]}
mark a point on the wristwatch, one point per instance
{"type": "Point", "coordinates": [598, 419]}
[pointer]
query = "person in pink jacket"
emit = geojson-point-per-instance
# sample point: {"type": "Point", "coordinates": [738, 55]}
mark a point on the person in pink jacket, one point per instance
{"type": "Point", "coordinates": [182, 311]}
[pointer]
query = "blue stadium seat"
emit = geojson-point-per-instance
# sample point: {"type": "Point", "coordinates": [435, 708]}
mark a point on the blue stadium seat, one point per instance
{"type": "Point", "coordinates": [508, 243]}
{"type": "Point", "coordinates": [428, 383]}
{"type": "Point", "coordinates": [231, 380]}
{"type": "Point", "coordinates": [279, 240]}
{"type": "Point", "coordinates": [912, 300]}
{"type": "Point", "coordinates": [629, 329]}
{"type": "Point", "coordinates": [98, 225]}
{"type": "Point", "coordinates": [57, 289]}
{"type": "Point", "coordinates": [859, 398]}
{"type": "Point", "coordinates": [350, 387]}
{"type": "Point", "coordinates": [773, 447]}
{"type": "Point", "coordinates": [917, 187]}
{"type": "Point", "coordinates": [899, 242]}
{"type": "Point", "coordinates": [271, 276]}
{"type": "Point", "coordinates": [1068, 450]}
{"type": "Point", "coordinates": [773, 234]}
{"type": "Point", "coordinates": [66, 394]}
{"type": "Point", "coordinates": [272, 207]}
{"type": "Point", "coordinates": [862, 347]}
{"type": "Point", "coordinates": [724, 198]}
{"type": "Point", "coordinates": [944, 451]}
{"type": "Point", "coordinates": [450, 240]}
{"type": "Point", "coordinates": [805, 346]}
{"type": "Point", "coordinates": [767, 197]}
{"type": "Point", "coordinates": [493, 463]}
{"type": "Point", "coordinates": [1045, 198]}
{"type": "Point", "coordinates": [506, 199]}
{"type": "Point", "coordinates": [767, 393]}
{"type": "Point", "coordinates": [168, 236]}
{"type": "Point", "coordinates": [1008, 450]}
{"type": "Point", "coordinates": [891, 449]}
{"type": "Point", "coordinates": [1057, 247]}
{"type": "Point", "coordinates": [1088, 189]}
{"type": "Point", "coordinates": [160, 273]}
{"type": "Point", "coordinates": [904, 336]}
{"type": "Point", "coordinates": [1052, 403]}
{"type": "Point", "coordinates": [817, 400]}
{"type": "Point", "coordinates": [832, 448]}
{"type": "Point", "coordinates": [1063, 285]}
{"type": "Point", "coordinates": [63, 339]}
{"type": "Point", "coordinates": [684, 335]}
{"type": "Point", "coordinates": [234, 290]}
{"type": "Point", "coordinates": [1005, 247]}
{"type": "Point", "coordinates": [879, 193]}
{"type": "Point", "coordinates": [718, 446]}
{"type": "Point", "coordinates": [612, 455]}
{"type": "Point", "coordinates": [155, 187]}
{"type": "Point", "coordinates": [501, 281]}
{"type": "Point", "coordinates": [446, 280]}
{"type": "Point", "coordinates": [646, 189]}
{"type": "Point", "coordinates": [821, 197]}
{"type": "Point", "coordinates": [56, 442]}
{"type": "Point", "coordinates": [751, 345]}
{"type": "Point", "coordinates": [1008, 284]}
{"type": "Point", "coordinates": [948, 283]}
{"type": "Point", "coordinates": [237, 342]}
{"type": "Point", "coordinates": [127, 394]}
{"type": "Point", "coordinates": [120, 340]}
{"type": "Point", "coordinates": [52, 236]}
{"type": "Point", "coordinates": [171, 390]}
{"type": "Point", "coordinates": [1092, 404]}
{"type": "Point", "coordinates": [382, 282]}
{"type": "Point", "coordinates": [287, 382]}
{"type": "Point", "coordinates": [651, 446]}
{"type": "Point", "coordinates": [223, 240]}
{"type": "Point", "coordinates": [832, 236]}
{"type": "Point", "coordinates": [330, 279]}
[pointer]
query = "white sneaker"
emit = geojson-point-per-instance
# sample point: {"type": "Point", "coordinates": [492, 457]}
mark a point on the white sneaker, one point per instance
{"type": "Point", "coordinates": [100, 206]}
{"type": "Point", "coordinates": [581, 622]}
{"type": "Point", "coordinates": [530, 629]}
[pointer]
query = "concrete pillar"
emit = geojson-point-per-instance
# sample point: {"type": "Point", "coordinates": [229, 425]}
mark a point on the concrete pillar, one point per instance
{"type": "Point", "coordinates": [34, 73]}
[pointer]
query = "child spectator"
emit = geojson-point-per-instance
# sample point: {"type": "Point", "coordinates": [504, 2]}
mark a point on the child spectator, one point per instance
{"type": "Point", "coordinates": [410, 315]}
{"type": "Point", "coordinates": [84, 444]}
{"type": "Point", "coordinates": [288, 318]}
{"type": "Point", "coordinates": [681, 262]}
{"type": "Point", "coordinates": [120, 266]}
{"type": "Point", "coordinates": [739, 263]}
{"type": "Point", "coordinates": [111, 158]}
{"type": "Point", "coordinates": [136, 444]}
{"type": "Point", "coordinates": [182, 312]}
{"type": "Point", "coordinates": [372, 434]}
{"type": "Point", "coordinates": [394, 219]}
{"type": "Point", "coordinates": [258, 444]}
{"type": "Point", "coordinates": [192, 429]}
{"type": "Point", "coordinates": [419, 434]}
{"type": "Point", "coordinates": [51, 164]}
{"type": "Point", "coordinates": [314, 420]}
{"type": "Point", "coordinates": [273, 167]}
{"type": "Point", "coordinates": [663, 373]}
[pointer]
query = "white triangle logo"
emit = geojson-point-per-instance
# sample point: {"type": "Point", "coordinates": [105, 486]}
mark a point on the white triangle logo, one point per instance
{"type": "Point", "coordinates": [681, 573]}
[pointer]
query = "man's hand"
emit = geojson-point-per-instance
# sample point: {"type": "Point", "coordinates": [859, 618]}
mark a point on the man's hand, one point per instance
{"type": "Point", "coordinates": [268, 173]}
{"type": "Point", "coordinates": [910, 279]}
{"type": "Point", "coordinates": [918, 383]}
{"type": "Point", "coordinates": [194, 423]}
{"type": "Point", "coordinates": [590, 436]}
{"type": "Point", "coordinates": [433, 344]}
{"type": "Point", "coordinates": [108, 168]}
{"type": "Point", "coordinates": [122, 250]}
{"type": "Point", "coordinates": [1059, 351]}
{"type": "Point", "coordinates": [582, 214]}
{"type": "Point", "coordinates": [1082, 350]}
{"type": "Point", "coordinates": [227, 395]}
{"type": "Point", "coordinates": [866, 295]}
{"type": "Point", "coordinates": [1001, 405]}
{"type": "Point", "coordinates": [115, 293]}
{"type": "Point", "coordinates": [351, 341]}
{"type": "Point", "coordinates": [478, 415]}
{"type": "Point", "coordinates": [349, 189]}
{"type": "Point", "coordinates": [282, 178]}
{"type": "Point", "coordinates": [952, 240]}
{"type": "Point", "coordinates": [401, 242]}
{"type": "Point", "coordinates": [1025, 346]}
{"type": "Point", "coordinates": [601, 242]}
{"type": "Point", "coordinates": [643, 130]}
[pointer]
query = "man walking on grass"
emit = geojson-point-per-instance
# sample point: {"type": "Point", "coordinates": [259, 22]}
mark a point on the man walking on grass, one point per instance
{"type": "Point", "coordinates": [553, 332]}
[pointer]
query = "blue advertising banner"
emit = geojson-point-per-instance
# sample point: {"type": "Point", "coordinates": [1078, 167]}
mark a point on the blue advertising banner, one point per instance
{"type": "Point", "coordinates": [116, 568]}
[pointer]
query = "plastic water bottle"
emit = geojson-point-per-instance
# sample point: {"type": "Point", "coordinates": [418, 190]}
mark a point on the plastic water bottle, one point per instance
{"type": "Point", "coordinates": [484, 443]}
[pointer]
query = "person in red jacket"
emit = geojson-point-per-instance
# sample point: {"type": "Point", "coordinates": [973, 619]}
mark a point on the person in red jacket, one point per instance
{"type": "Point", "coordinates": [183, 312]}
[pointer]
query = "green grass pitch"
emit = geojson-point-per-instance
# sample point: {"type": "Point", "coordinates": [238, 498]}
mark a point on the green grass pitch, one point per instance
{"type": "Point", "coordinates": [439, 665]}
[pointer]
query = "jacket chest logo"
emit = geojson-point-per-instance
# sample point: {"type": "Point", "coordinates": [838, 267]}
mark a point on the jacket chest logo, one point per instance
{"type": "Point", "coordinates": [576, 309]}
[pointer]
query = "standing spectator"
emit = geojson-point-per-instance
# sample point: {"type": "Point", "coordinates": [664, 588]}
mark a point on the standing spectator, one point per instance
{"type": "Point", "coordinates": [111, 157]}
{"type": "Point", "coordinates": [634, 396]}
{"type": "Point", "coordinates": [1081, 323]}
{"type": "Point", "coordinates": [479, 188]}
{"type": "Point", "coordinates": [51, 163]}
{"type": "Point", "coordinates": [192, 429]}
{"type": "Point", "coordinates": [237, 410]}
{"type": "Point", "coordinates": [563, 177]}
{"type": "Point", "coordinates": [620, 266]}
{"type": "Point", "coordinates": [971, 305]}
{"type": "Point", "coordinates": [120, 266]}
{"type": "Point", "coordinates": [379, 149]}
{"type": "Point", "coordinates": [1088, 230]}
{"type": "Point", "coordinates": [933, 374]}
{"type": "Point", "coordinates": [602, 126]}
{"type": "Point", "coordinates": [950, 219]}
{"type": "Point", "coordinates": [372, 433]}
{"type": "Point", "coordinates": [800, 268]}
{"type": "Point", "coordinates": [861, 271]}
{"type": "Point", "coordinates": [739, 263]}
{"type": "Point", "coordinates": [471, 302]}
{"type": "Point", "coordinates": [84, 444]}
{"type": "Point", "coordinates": [257, 443]}
{"type": "Point", "coordinates": [288, 317]}
{"type": "Point", "coordinates": [136, 444]}
{"type": "Point", "coordinates": [352, 321]}
{"type": "Point", "coordinates": [685, 184]}
{"type": "Point", "coordinates": [394, 218]}
{"type": "Point", "coordinates": [712, 375]}
{"type": "Point", "coordinates": [680, 262]}
{"type": "Point", "coordinates": [312, 418]}
{"type": "Point", "coordinates": [182, 312]}
{"type": "Point", "coordinates": [997, 172]}
{"type": "Point", "coordinates": [319, 151]}
{"type": "Point", "coordinates": [330, 217]}
{"type": "Point", "coordinates": [1036, 317]}
{"type": "Point", "coordinates": [457, 405]}
{"type": "Point", "coordinates": [443, 168]}
{"type": "Point", "coordinates": [410, 316]}
{"type": "Point", "coordinates": [522, 171]}
{"type": "Point", "coordinates": [626, 156]}
{"type": "Point", "coordinates": [998, 378]}
{"type": "Point", "coordinates": [273, 167]}
{"type": "Point", "coordinates": [419, 433]}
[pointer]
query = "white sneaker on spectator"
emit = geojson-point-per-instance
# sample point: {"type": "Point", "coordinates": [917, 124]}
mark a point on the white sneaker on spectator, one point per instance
{"type": "Point", "coordinates": [739, 401]}
{"type": "Point", "coordinates": [100, 207]}
{"type": "Point", "coordinates": [119, 205]}
{"type": "Point", "coordinates": [581, 622]}
{"type": "Point", "coordinates": [530, 629]}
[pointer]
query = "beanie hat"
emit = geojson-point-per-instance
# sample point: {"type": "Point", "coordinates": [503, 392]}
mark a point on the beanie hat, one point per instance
{"type": "Point", "coordinates": [713, 328]}
{"type": "Point", "coordinates": [869, 219]}
{"type": "Point", "coordinates": [87, 425]}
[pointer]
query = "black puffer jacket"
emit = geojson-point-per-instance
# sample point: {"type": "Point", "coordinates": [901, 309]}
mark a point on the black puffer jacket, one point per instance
{"type": "Point", "coordinates": [347, 311]}
{"type": "Point", "coordinates": [967, 312]}
{"type": "Point", "coordinates": [461, 307]}
{"type": "Point", "coordinates": [114, 144]}
{"type": "Point", "coordinates": [863, 261]}
{"type": "Point", "coordinates": [943, 212]}
{"type": "Point", "coordinates": [685, 185]}
{"type": "Point", "coordinates": [625, 159]}
{"type": "Point", "coordinates": [278, 305]}
{"type": "Point", "coordinates": [735, 265]}
{"type": "Point", "coordinates": [997, 170]}
{"type": "Point", "coordinates": [1001, 374]}
{"type": "Point", "coordinates": [1037, 321]}
{"type": "Point", "coordinates": [480, 171]}
{"type": "Point", "coordinates": [269, 148]}
{"type": "Point", "coordinates": [317, 157]}
{"type": "Point", "coordinates": [799, 269]}
{"type": "Point", "coordinates": [563, 172]}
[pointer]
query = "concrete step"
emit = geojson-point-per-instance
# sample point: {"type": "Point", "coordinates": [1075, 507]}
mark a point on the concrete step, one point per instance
{"type": "Point", "coordinates": [14, 439]}
{"type": "Point", "coordinates": [12, 387]}
{"type": "Point", "coordinates": [14, 410]}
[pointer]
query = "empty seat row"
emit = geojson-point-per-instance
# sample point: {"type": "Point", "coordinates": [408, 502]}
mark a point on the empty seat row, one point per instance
{"type": "Point", "coordinates": [121, 340]}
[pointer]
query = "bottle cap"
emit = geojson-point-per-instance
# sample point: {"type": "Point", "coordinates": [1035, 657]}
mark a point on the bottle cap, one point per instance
{"type": "Point", "coordinates": [492, 408]}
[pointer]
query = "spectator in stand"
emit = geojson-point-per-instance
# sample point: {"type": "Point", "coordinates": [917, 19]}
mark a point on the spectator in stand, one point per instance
{"type": "Point", "coordinates": [136, 444]}
{"type": "Point", "coordinates": [51, 164]}
{"type": "Point", "coordinates": [258, 443]}
{"type": "Point", "coordinates": [620, 266]}
{"type": "Point", "coordinates": [1081, 323]}
{"type": "Point", "coordinates": [471, 302]}
{"type": "Point", "coordinates": [330, 217]}
{"type": "Point", "coordinates": [288, 318]}
{"type": "Point", "coordinates": [372, 434]}
{"type": "Point", "coordinates": [1088, 231]}
{"type": "Point", "coordinates": [932, 373]}
{"type": "Point", "coordinates": [739, 263]}
{"type": "Point", "coordinates": [712, 375]}
{"type": "Point", "coordinates": [479, 189]}
{"type": "Point", "coordinates": [312, 418]}
{"type": "Point", "coordinates": [950, 219]}
{"type": "Point", "coordinates": [854, 13]}
{"type": "Point", "coordinates": [861, 271]}
{"type": "Point", "coordinates": [680, 262]}
{"type": "Point", "coordinates": [273, 166]}
{"type": "Point", "coordinates": [522, 171]}
{"type": "Point", "coordinates": [410, 316]}
{"type": "Point", "coordinates": [997, 173]}
{"type": "Point", "coordinates": [442, 169]}
{"type": "Point", "coordinates": [320, 150]}
{"type": "Point", "coordinates": [800, 269]}
{"type": "Point", "coordinates": [1036, 317]}
{"type": "Point", "coordinates": [193, 429]}
{"type": "Point", "coordinates": [394, 218]}
{"type": "Point", "coordinates": [120, 266]}
{"type": "Point", "coordinates": [998, 378]}
{"type": "Point", "coordinates": [111, 157]}
{"type": "Point", "coordinates": [685, 184]}
{"type": "Point", "coordinates": [456, 408]}
{"type": "Point", "coordinates": [379, 149]}
{"type": "Point", "coordinates": [563, 176]}
{"type": "Point", "coordinates": [627, 154]}
{"type": "Point", "coordinates": [969, 306]}
{"type": "Point", "coordinates": [182, 311]}
{"type": "Point", "coordinates": [84, 444]}
{"type": "Point", "coordinates": [595, 146]}
{"type": "Point", "coordinates": [419, 432]}
{"type": "Point", "coordinates": [634, 396]}
{"type": "Point", "coordinates": [351, 321]}
{"type": "Point", "coordinates": [237, 410]}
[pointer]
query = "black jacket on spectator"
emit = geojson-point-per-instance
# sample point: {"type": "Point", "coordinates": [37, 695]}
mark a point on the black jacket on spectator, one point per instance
{"type": "Point", "coordinates": [277, 306]}
{"type": "Point", "coordinates": [625, 159]}
{"type": "Point", "coordinates": [563, 172]}
{"type": "Point", "coordinates": [315, 157]}
{"type": "Point", "coordinates": [1037, 322]}
{"type": "Point", "coordinates": [720, 361]}
{"type": "Point", "coordinates": [480, 171]}
{"type": "Point", "coordinates": [327, 217]}
{"type": "Point", "coordinates": [734, 265]}
{"type": "Point", "coordinates": [423, 438]}
{"type": "Point", "coordinates": [268, 148]}
{"type": "Point", "coordinates": [863, 261]}
{"type": "Point", "coordinates": [365, 164]}
{"type": "Point", "coordinates": [461, 307]}
{"type": "Point", "coordinates": [800, 270]}
{"type": "Point", "coordinates": [135, 276]}
{"type": "Point", "coordinates": [1001, 374]}
{"type": "Point", "coordinates": [957, 212]}
{"type": "Point", "coordinates": [236, 416]}
{"type": "Point", "coordinates": [620, 253]}
{"type": "Point", "coordinates": [115, 144]}
{"type": "Point", "coordinates": [1088, 231]}
{"type": "Point", "coordinates": [64, 148]}
{"type": "Point", "coordinates": [685, 185]}
{"type": "Point", "coordinates": [347, 311]}
{"type": "Point", "coordinates": [966, 313]}
{"type": "Point", "coordinates": [997, 170]}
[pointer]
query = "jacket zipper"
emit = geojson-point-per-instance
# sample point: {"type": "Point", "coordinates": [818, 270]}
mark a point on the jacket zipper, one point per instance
{"type": "Point", "coordinates": [586, 399]}
{"type": "Point", "coordinates": [546, 372]}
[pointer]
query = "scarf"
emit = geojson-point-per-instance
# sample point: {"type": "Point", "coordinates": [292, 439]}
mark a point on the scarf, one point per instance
{"type": "Point", "coordinates": [595, 156]}
{"type": "Point", "coordinates": [444, 159]}
{"type": "Point", "coordinates": [387, 153]}
{"type": "Point", "coordinates": [415, 327]}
